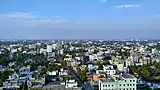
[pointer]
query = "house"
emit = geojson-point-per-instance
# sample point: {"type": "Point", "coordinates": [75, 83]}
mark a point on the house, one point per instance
{"type": "Point", "coordinates": [120, 67]}
{"type": "Point", "coordinates": [14, 81]}
{"type": "Point", "coordinates": [53, 73]}
{"type": "Point", "coordinates": [63, 72]}
{"type": "Point", "coordinates": [2, 68]}
{"type": "Point", "coordinates": [96, 77]}
{"type": "Point", "coordinates": [71, 84]}
{"type": "Point", "coordinates": [14, 50]}
{"type": "Point", "coordinates": [109, 69]}
{"type": "Point", "coordinates": [24, 70]}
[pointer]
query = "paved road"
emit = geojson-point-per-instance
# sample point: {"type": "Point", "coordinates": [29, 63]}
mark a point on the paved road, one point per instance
{"type": "Point", "coordinates": [77, 78]}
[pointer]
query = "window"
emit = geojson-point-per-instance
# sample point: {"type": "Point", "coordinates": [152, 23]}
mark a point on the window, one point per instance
{"type": "Point", "coordinates": [125, 80]}
{"type": "Point", "coordinates": [119, 84]}
{"type": "Point", "coordinates": [124, 85]}
{"type": "Point", "coordinates": [133, 88]}
{"type": "Point", "coordinates": [108, 85]}
{"type": "Point", "coordinates": [130, 80]}
{"type": "Point", "coordinates": [104, 85]}
{"type": "Point", "coordinates": [112, 85]}
{"type": "Point", "coordinates": [133, 80]}
{"type": "Point", "coordinates": [130, 84]}
{"type": "Point", "coordinates": [133, 84]}
{"type": "Point", "coordinates": [127, 84]}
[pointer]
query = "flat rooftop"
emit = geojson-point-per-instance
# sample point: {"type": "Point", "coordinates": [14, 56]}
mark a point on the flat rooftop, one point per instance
{"type": "Point", "coordinates": [128, 76]}
{"type": "Point", "coordinates": [108, 80]}
{"type": "Point", "coordinates": [124, 76]}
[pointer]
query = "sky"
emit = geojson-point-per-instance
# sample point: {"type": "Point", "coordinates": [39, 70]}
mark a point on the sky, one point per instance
{"type": "Point", "coordinates": [80, 19]}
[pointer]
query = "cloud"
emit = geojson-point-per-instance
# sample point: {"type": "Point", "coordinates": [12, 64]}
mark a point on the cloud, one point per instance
{"type": "Point", "coordinates": [128, 6]}
{"type": "Point", "coordinates": [17, 15]}
{"type": "Point", "coordinates": [103, 1]}
{"type": "Point", "coordinates": [27, 25]}
{"type": "Point", "coordinates": [28, 19]}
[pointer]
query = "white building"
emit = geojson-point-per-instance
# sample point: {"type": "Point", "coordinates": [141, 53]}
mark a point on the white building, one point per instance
{"type": "Point", "coordinates": [54, 46]}
{"type": "Point", "coordinates": [43, 50]}
{"type": "Point", "coordinates": [71, 84]}
{"type": "Point", "coordinates": [63, 72]}
{"type": "Point", "coordinates": [61, 51]}
{"type": "Point", "coordinates": [49, 48]}
{"type": "Point", "coordinates": [154, 51]}
{"type": "Point", "coordinates": [32, 46]}
{"type": "Point", "coordinates": [14, 50]}
{"type": "Point", "coordinates": [126, 82]}
{"type": "Point", "coordinates": [109, 69]}
{"type": "Point", "coordinates": [52, 73]}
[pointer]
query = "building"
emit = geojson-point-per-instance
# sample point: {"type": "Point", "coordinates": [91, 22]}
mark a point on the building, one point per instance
{"type": "Point", "coordinates": [49, 48]}
{"type": "Point", "coordinates": [24, 70]}
{"type": "Point", "coordinates": [120, 67]}
{"type": "Point", "coordinates": [71, 84]}
{"type": "Point", "coordinates": [109, 69]}
{"type": "Point", "coordinates": [122, 82]}
{"type": "Point", "coordinates": [53, 73]}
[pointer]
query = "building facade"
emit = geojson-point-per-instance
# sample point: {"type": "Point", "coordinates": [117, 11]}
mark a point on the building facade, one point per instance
{"type": "Point", "coordinates": [120, 83]}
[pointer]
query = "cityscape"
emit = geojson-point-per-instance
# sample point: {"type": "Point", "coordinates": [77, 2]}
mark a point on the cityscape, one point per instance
{"type": "Point", "coordinates": [79, 65]}
{"type": "Point", "coordinates": [80, 45]}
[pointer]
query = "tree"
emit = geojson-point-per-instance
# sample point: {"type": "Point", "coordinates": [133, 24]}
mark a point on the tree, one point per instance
{"type": "Point", "coordinates": [24, 86]}
{"type": "Point", "coordinates": [83, 74]}
{"type": "Point", "coordinates": [3, 76]}
{"type": "Point", "coordinates": [79, 70]}
{"type": "Point", "coordinates": [3, 60]}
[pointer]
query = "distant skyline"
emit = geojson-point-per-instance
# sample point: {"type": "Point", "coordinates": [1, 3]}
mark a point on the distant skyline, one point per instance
{"type": "Point", "coordinates": [80, 19]}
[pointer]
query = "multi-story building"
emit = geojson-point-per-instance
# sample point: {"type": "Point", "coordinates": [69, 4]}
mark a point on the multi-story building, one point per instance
{"type": "Point", "coordinates": [49, 48]}
{"type": "Point", "coordinates": [109, 69]}
{"type": "Point", "coordinates": [122, 82]}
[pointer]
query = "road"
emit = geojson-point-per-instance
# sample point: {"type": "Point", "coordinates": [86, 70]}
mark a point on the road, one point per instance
{"type": "Point", "coordinates": [77, 78]}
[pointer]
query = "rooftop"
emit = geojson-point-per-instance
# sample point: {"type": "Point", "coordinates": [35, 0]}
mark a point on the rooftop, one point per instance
{"type": "Point", "coordinates": [128, 76]}
{"type": "Point", "coordinates": [108, 80]}
{"type": "Point", "coordinates": [125, 76]}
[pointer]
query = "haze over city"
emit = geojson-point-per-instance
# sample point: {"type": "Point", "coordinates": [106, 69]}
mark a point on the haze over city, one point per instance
{"type": "Point", "coordinates": [79, 19]}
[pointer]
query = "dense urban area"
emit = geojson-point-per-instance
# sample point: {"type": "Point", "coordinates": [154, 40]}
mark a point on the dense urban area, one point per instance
{"type": "Point", "coordinates": [79, 65]}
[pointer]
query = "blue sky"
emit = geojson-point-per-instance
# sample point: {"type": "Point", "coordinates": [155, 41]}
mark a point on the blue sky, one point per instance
{"type": "Point", "coordinates": [80, 19]}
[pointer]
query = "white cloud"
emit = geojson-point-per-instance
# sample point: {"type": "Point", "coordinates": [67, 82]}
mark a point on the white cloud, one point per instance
{"type": "Point", "coordinates": [103, 1]}
{"type": "Point", "coordinates": [27, 25]}
{"type": "Point", "coordinates": [20, 18]}
{"type": "Point", "coordinates": [20, 22]}
{"type": "Point", "coordinates": [18, 15]}
{"type": "Point", "coordinates": [127, 6]}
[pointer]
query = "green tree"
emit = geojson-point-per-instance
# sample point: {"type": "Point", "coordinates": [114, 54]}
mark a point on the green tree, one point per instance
{"type": "Point", "coordinates": [3, 76]}
{"type": "Point", "coordinates": [24, 86]}
{"type": "Point", "coordinates": [79, 70]}
{"type": "Point", "coordinates": [83, 74]}
{"type": "Point", "coordinates": [3, 60]}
